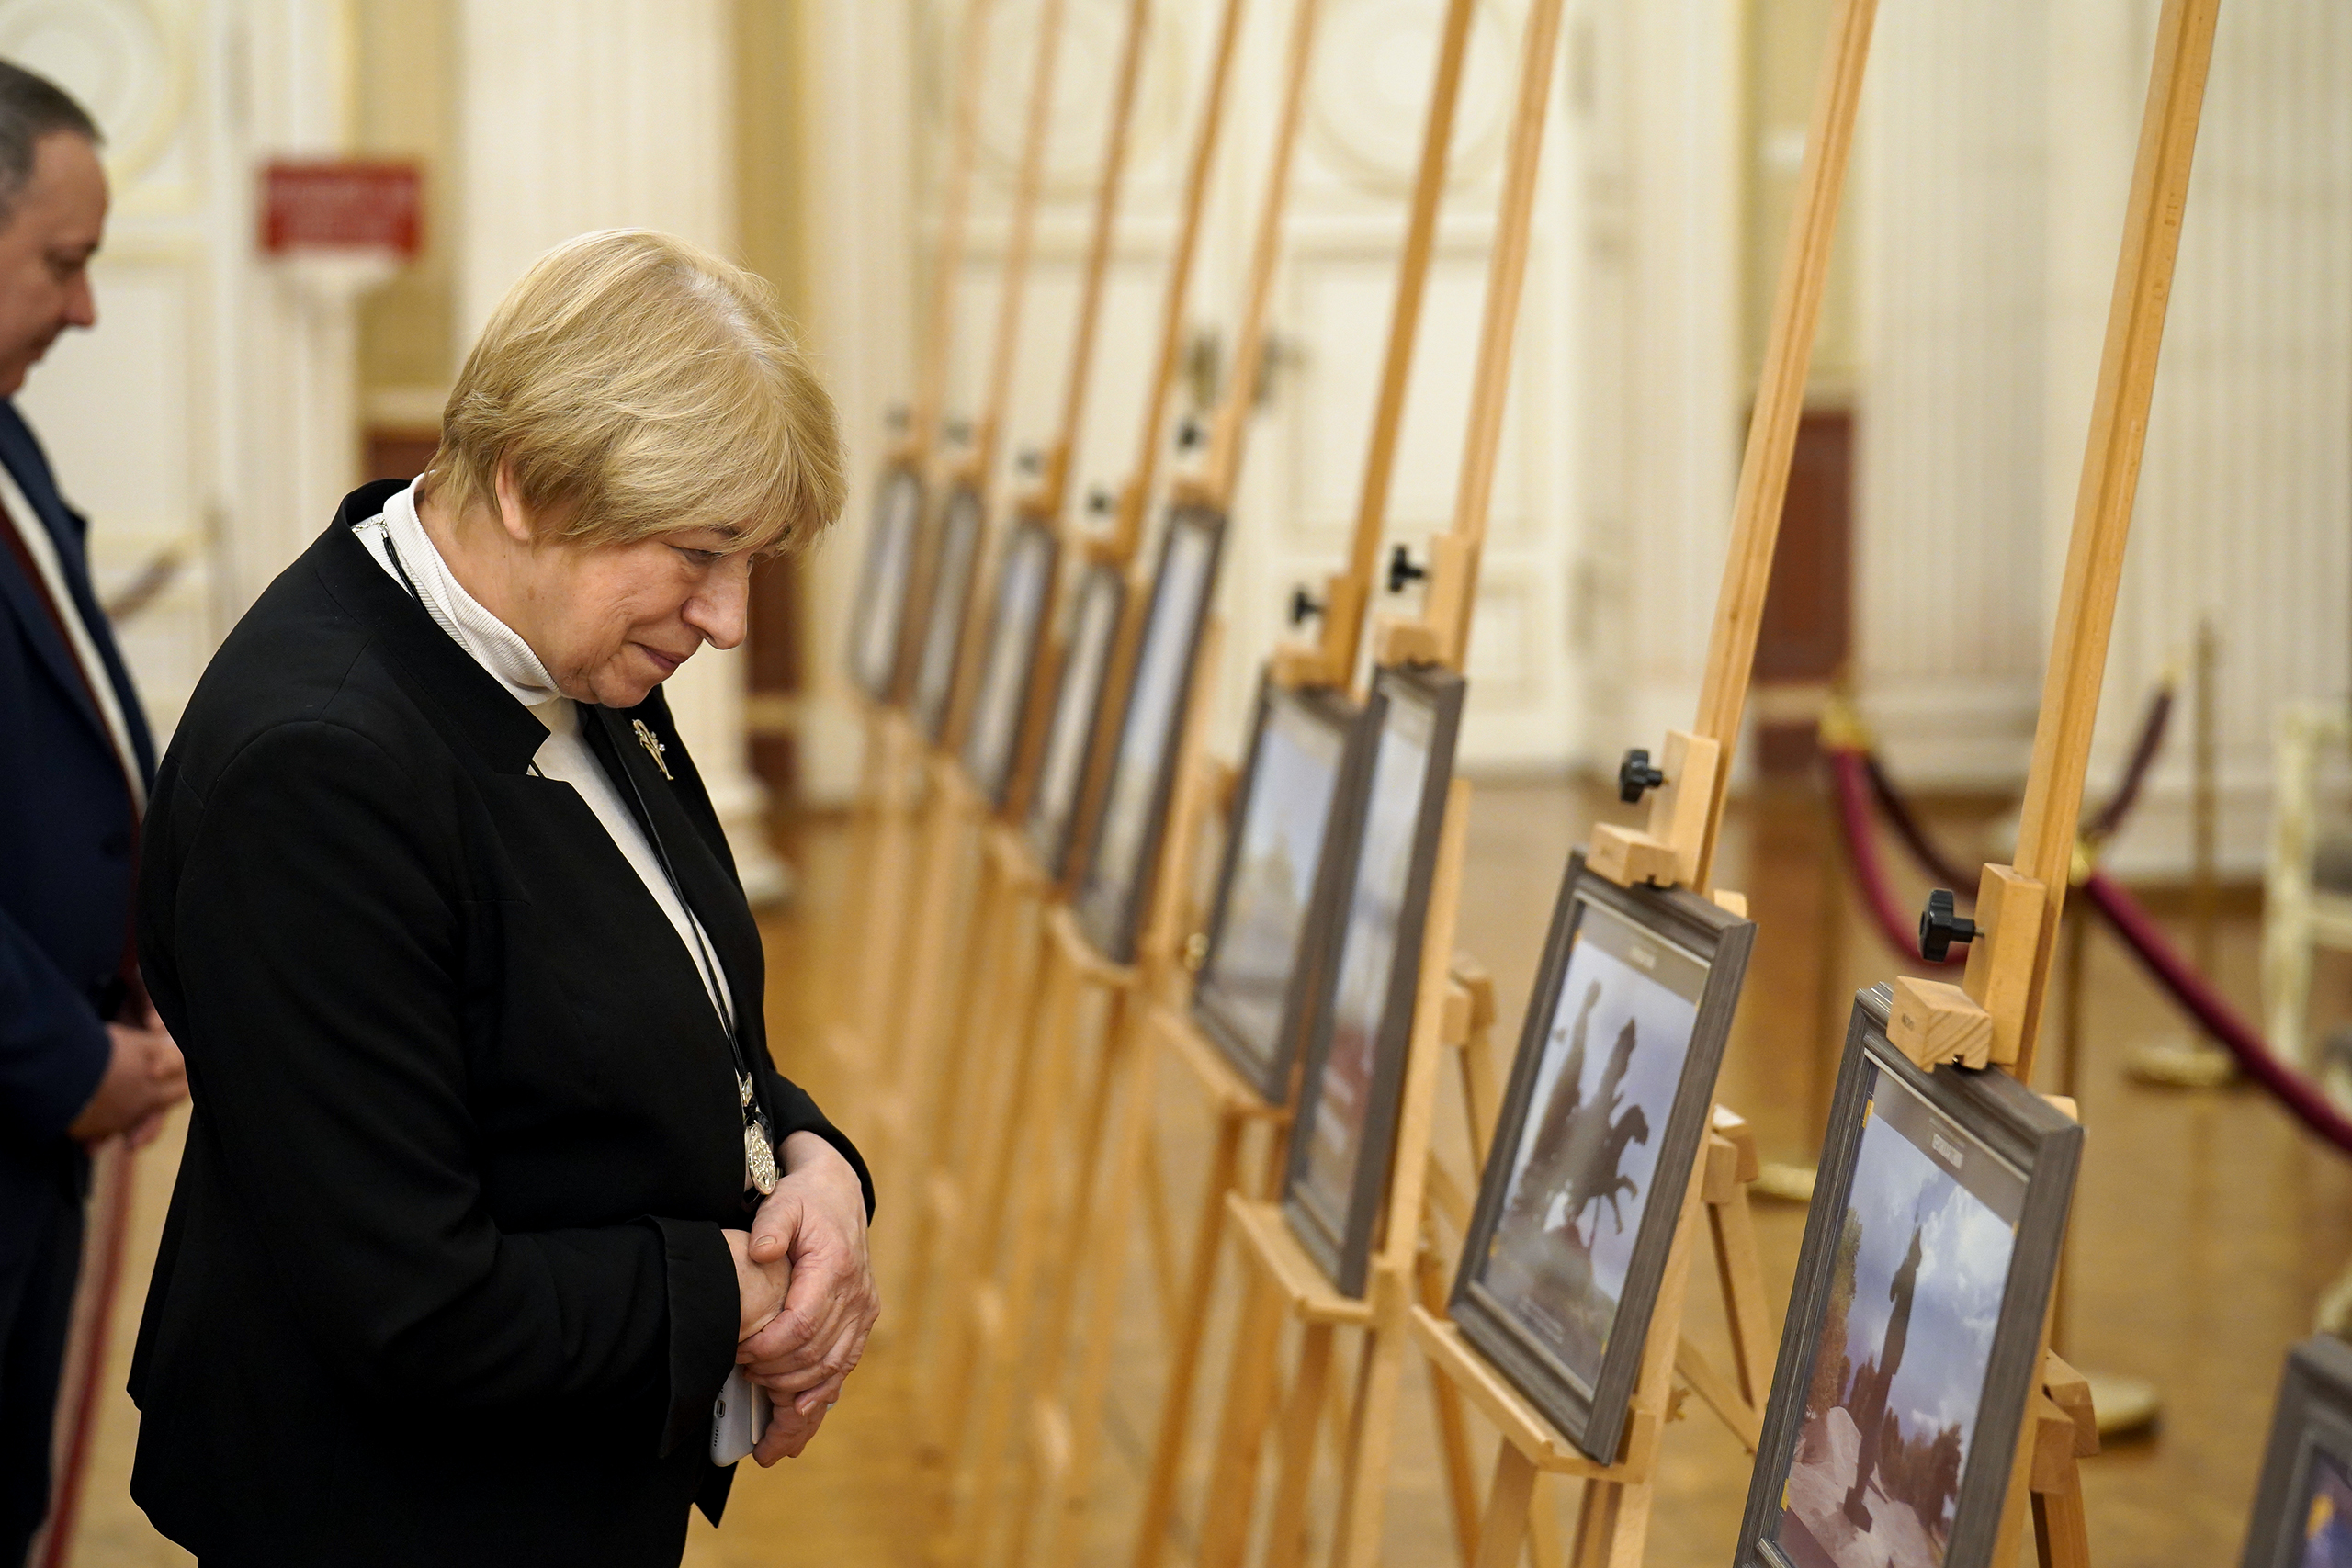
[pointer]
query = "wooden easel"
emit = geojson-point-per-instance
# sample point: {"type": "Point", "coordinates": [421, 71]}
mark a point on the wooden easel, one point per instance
{"type": "Point", "coordinates": [1235, 1104]}
{"type": "Point", "coordinates": [890, 783]}
{"type": "Point", "coordinates": [1612, 1521]}
{"type": "Point", "coordinates": [1283, 1283]}
{"type": "Point", "coordinates": [968, 1178]}
{"type": "Point", "coordinates": [1994, 1015]}
{"type": "Point", "coordinates": [1077, 1248]}
{"type": "Point", "coordinates": [926, 1081]}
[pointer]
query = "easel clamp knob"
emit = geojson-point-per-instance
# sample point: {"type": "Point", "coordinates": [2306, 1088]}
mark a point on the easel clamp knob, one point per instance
{"type": "Point", "coordinates": [1637, 778]}
{"type": "Point", "coordinates": [1940, 926]}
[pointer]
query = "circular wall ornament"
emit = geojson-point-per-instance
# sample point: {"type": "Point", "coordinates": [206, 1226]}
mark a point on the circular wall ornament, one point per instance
{"type": "Point", "coordinates": [1371, 90]}
{"type": "Point", "coordinates": [116, 57]}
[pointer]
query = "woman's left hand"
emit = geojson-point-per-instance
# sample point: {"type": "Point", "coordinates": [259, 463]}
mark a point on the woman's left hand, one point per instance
{"type": "Point", "coordinates": [815, 1218]}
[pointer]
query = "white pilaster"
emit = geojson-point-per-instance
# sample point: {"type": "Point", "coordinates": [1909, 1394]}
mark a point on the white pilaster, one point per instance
{"type": "Point", "coordinates": [295, 332]}
{"type": "Point", "coordinates": [578, 115]}
{"type": "Point", "coordinates": [1950, 483]}
{"type": "Point", "coordinates": [1665, 82]}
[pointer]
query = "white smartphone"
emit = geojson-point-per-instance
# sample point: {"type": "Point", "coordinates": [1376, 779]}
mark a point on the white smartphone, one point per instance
{"type": "Point", "coordinates": [738, 1418]}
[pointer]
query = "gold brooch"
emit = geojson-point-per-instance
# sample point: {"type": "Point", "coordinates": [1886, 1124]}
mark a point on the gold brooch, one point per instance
{"type": "Point", "coordinates": [653, 746]}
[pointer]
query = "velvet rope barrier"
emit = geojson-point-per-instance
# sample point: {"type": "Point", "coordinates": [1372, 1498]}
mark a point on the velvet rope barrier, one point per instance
{"type": "Point", "coordinates": [1859, 771]}
{"type": "Point", "coordinates": [1851, 770]}
{"type": "Point", "coordinates": [2197, 996]}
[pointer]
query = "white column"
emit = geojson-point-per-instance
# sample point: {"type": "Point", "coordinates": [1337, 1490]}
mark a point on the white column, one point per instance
{"type": "Point", "coordinates": [1664, 324]}
{"type": "Point", "coordinates": [1950, 483]}
{"type": "Point", "coordinates": [2246, 497]}
{"type": "Point", "coordinates": [577, 115]}
{"type": "Point", "coordinates": [296, 325]}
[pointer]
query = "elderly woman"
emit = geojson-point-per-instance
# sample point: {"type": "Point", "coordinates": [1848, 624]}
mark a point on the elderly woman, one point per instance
{"type": "Point", "coordinates": [490, 1185]}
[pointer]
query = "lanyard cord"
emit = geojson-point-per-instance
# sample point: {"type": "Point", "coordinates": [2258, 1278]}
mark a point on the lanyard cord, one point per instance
{"type": "Point", "coordinates": [707, 968]}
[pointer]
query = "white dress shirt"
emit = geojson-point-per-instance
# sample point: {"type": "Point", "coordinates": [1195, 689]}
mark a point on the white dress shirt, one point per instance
{"type": "Point", "coordinates": [564, 755]}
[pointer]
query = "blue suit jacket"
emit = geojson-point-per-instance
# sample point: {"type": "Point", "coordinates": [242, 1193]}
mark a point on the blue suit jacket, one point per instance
{"type": "Point", "coordinates": [66, 858]}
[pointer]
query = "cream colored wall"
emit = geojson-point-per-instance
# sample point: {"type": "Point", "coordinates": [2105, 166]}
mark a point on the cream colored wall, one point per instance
{"type": "Point", "coordinates": [405, 88]}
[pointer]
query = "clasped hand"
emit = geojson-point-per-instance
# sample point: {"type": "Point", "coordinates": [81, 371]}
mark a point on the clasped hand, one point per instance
{"type": "Point", "coordinates": [806, 1290]}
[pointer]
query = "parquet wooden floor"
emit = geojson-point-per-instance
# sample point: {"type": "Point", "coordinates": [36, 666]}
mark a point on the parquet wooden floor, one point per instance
{"type": "Point", "coordinates": [2205, 1225]}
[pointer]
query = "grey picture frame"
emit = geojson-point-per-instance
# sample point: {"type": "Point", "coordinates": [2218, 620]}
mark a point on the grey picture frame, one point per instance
{"type": "Point", "coordinates": [1139, 782]}
{"type": "Point", "coordinates": [887, 582]}
{"type": "Point", "coordinates": [1002, 701]}
{"type": "Point", "coordinates": [1316, 724]}
{"type": "Point", "coordinates": [1098, 609]}
{"type": "Point", "coordinates": [2311, 1445]}
{"type": "Point", "coordinates": [1590, 1406]}
{"type": "Point", "coordinates": [1334, 1207]}
{"type": "Point", "coordinates": [939, 653]}
{"type": "Point", "coordinates": [1989, 1115]}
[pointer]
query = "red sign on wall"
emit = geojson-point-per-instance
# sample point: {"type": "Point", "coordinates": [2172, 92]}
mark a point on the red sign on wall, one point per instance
{"type": "Point", "coordinates": [338, 204]}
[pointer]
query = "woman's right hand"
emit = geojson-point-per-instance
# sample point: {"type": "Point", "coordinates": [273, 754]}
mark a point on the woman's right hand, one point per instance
{"type": "Point", "coordinates": [760, 1287]}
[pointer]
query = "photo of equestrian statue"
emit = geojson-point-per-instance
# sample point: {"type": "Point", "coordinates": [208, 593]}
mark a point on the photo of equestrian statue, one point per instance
{"type": "Point", "coordinates": [1614, 1058]}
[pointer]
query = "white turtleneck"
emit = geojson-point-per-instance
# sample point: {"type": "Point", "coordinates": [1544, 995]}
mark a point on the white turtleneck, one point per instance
{"type": "Point", "coordinates": [500, 651]}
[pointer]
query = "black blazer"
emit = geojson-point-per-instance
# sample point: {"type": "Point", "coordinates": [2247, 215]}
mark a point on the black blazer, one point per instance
{"type": "Point", "coordinates": [443, 1278]}
{"type": "Point", "coordinates": [65, 867]}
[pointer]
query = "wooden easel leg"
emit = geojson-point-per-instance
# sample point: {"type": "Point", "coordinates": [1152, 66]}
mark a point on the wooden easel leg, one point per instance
{"type": "Point", "coordinates": [1184, 1352]}
{"type": "Point", "coordinates": [1739, 1272]}
{"type": "Point", "coordinates": [1545, 1547]}
{"type": "Point", "coordinates": [982, 951]}
{"type": "Point", "coordinates": [1108, 1256]}
{"type": "Point", "coordinates": [1371, 1434]}
{"type": "Point", "coordinates": [1504, 1529]}
{"type": "Point", "coordinates": [1249, 1403]}
{"type": "Point", "coordinates": [1453, 1430]}
{"type": "Point", "coordinates": [1007, 1321]}
{"type": "Point", "coordinates": [1302, 1420]}
{"type": "Point", "coordinates": [973, 1247]}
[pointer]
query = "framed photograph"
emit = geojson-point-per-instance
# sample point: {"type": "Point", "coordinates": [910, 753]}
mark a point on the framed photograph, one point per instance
{"type": "Point", "coordinates": [1604, 1116]}
{"type": "Point", "coordinates": [962, 524]}
{"type": "Point", "coordinates": [1914, 1328]}
{"type": "Point", "coordinates": [1346, 1125]}
{"type": "Point", "coordinates": [1078, 704]}
{"type": "Point", "coordinates": [877, 621]}
{"type": "Point", "coordinates": [1009, 662]}
{"type": "Point", "coordinates": [2303, 1509]}
{"type": "Point", "coordinates": [1142, 781]}
{"type": "Point", "coordinates": [1258, 974]}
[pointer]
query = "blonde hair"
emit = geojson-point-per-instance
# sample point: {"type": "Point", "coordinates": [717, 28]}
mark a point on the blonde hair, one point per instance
{"type": "Point", "coordinates": [631, 384]}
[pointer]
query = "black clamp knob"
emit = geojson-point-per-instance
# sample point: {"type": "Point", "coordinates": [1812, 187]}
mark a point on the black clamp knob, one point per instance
{"type": "Point", "coordinates": [1941, 926]}
{"type": "Point", "coordinates": [959, 431]}
{"type": "Point", "coordinates": [1304, 606]}
{"type": "Point", "coordinates": [898, 418]}
{"type": "Point", "coordinates": [1031, 462]}
{"type": "Point", "coordinates": [1188, 433]}
{"type": "Point", "coordinates": [1098, 501]}
{"type": "Point", "coordinates": [1403, 569]}
{"type": "Point", "coordinates": [1637, 778]}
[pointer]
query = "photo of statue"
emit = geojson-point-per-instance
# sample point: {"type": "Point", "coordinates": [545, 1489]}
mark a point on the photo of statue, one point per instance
{"type": "Point", "coordinates": [882, 598]}
{"type": "Point", "coordinates": [1286, 809]}
{"type": "Point", "coordinates": [1580, 1181]}
{"type": "Point", "coordinates": [1899, 1367]}
{"type": "Point", "coordinates": [1064, 768]}
{"type": "Point", "coordinates": [2326, 1537]}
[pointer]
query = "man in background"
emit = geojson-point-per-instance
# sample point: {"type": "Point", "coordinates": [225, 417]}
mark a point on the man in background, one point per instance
{"type": "Point", "coordinates": [82, 1057]}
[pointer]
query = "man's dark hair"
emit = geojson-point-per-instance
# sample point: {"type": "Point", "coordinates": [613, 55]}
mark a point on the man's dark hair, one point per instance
{"type": "Point", "coordinates": [32, 107]}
